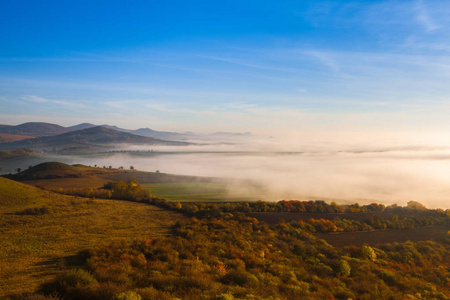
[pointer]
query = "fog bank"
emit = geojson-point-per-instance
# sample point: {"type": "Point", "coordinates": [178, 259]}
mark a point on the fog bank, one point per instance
{"type": "Point", "coordinates": [360, 173]}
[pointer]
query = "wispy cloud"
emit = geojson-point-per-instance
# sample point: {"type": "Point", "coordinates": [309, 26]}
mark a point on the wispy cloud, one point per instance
{"type": "Point", "coordinates": [325, 59]}
{"type": "Point", "coordinates": [246, 63]}
{"type": "Point", "coordinates": [158, 106]}
{"type": "Point", "coordinates": [424, 18]}
{"type": "Point", "coordinates": [37, 99]}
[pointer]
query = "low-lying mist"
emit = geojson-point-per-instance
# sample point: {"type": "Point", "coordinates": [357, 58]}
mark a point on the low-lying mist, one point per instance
{"type": "Point", "coordinates": [363, 175]}
{"type": "Point", "coordinates": [344, 177]}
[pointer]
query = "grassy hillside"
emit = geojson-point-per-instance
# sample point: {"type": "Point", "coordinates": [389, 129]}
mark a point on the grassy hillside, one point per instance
{"type": "Point", "coordinates": [56, 176]}
{"type": "Point", "coordinates": [53, 170]}
{"type": "Point", "coordinates": [41, 232]}
{"type": "Point", "coordinates": [13, 194]}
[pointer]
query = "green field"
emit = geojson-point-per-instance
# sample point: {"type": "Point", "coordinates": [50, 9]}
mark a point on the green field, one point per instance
{"type": "Point", "coordinates": [200, 192]}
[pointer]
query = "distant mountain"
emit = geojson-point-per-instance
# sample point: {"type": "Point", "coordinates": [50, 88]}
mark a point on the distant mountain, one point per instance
{"type": "Point", "coordinates": [81, 126]}
{"type": "Point", "coordinates": [114, 127]}
{"type": "Point", "coordinates": [98, 136]}
{"type": "Point", "coordinates": [232, 134]}
{"type": "Point", "coordinates": [39, 129]}
{"type": "Point", "coordinates": [166, 135]}
{"type": "Point", "coordinates": [174, 136]}
{"type": "Point", "coordinates": [36, 129]}
{"type": "Point", "coordinates": [101, 134]}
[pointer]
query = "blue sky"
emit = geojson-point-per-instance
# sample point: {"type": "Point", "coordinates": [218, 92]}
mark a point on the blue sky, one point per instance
{"type": "Point", "coordinates": [269, 67]}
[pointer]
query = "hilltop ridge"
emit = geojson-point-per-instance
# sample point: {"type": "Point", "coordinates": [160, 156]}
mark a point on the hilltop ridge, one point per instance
{"type": "Point", "coordinates": [41, 129]}
{"type": "Point", "coordinates": [36, 129]}
{"type": "Point", "coordinates": [98, 137]}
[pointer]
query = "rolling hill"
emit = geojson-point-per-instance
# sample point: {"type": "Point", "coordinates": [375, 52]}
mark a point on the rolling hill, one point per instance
{"type": "Point", "coordinates": [44, 172]}
{"type": "Point", "coordinates": [36, 129]}
{"type": "Point", "coordinates": [98, 137]}
{"type": "Point", "coordinates": [15, 153]}
{"type": "Point", "coordinates": [50, 170]}
{"type": "Point", "coordinates": [39, 129]}
{"type": "Point", "coordinates": [14, 194]}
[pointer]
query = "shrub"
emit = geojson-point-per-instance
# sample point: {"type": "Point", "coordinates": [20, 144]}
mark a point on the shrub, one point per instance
{"type": "Point", "coordinates": [224, 296]}
{"type": "Point", "coordinates": [101, 291]}
{"type": "Point", "coordinates": [150, 293]}
{"type": "Point", "coordinates": [127, 296]}
{"type": "Point", "coordinates": [69, 280]}
{"type": "Point", "coordinates": [369, 253]}
{"type": "Point", "coordinates": [239, 277]}
{"type": "Point", "coordinates": [78, 277]}
{"type": "Point", "coordinates": [344, 268]}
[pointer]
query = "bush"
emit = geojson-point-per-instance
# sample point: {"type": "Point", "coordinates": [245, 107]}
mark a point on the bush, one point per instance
{"type": "Point", "coordinates": [70, 279]}
{"type": "Point", "coordinates": [369, 253]}
{"type": "Point", "coordinates": [240, 277]}
{"type": "Point", "coordinates": [150, 293]}
{"type": "Point", "coordinates": [127, 296]}
{"type": "Point", "coordinates": [344, 267]}
{"type": "Point", "coordinates": [224, 297]}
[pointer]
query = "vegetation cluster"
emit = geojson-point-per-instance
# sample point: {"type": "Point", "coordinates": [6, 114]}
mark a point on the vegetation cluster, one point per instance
{"type": "Point", "coordinates": [238, 257]}
{"type": "Point", "coordinates": [414, 215]}
{"type": "Point", "coordinates": [120, 190]}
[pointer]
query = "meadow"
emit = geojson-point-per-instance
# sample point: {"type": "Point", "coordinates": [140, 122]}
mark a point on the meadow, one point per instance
{"type": "Point", "coordinates": [35, 247]}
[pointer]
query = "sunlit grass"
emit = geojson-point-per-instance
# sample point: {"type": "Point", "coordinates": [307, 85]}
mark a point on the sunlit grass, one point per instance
{"type": "Point", "coordinates": [34, 247]}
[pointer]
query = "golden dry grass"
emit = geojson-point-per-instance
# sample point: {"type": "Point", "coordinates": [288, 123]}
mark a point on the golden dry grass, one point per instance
{"type": "Point", "coordinates": [35, 247]}
{"type": "Point", "coordinates": [67, 183]}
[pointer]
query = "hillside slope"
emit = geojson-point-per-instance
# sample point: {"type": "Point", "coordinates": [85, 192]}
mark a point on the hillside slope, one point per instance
{"type": "Point", "coordinates": [13, 194]}
{"type": "Point", "coordinates": [15, 153]}
{"type": "Point", "coordinates": [55, 170]}
{"type": "Point", "coordinates": [42, 233]}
